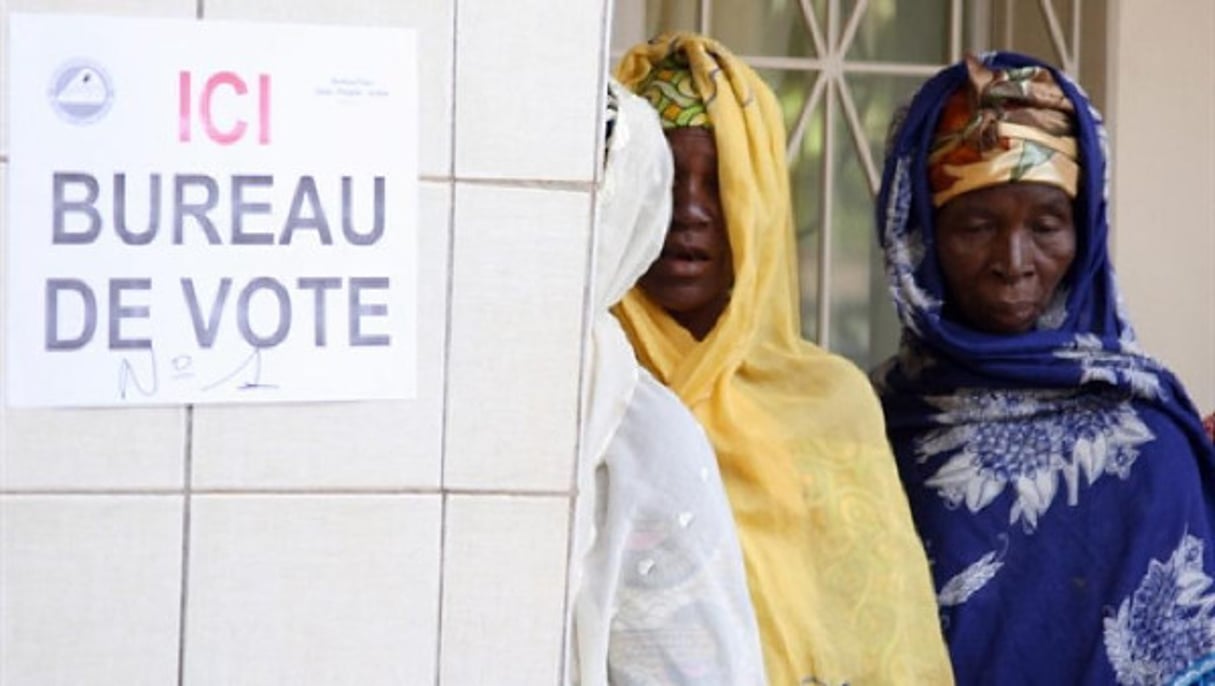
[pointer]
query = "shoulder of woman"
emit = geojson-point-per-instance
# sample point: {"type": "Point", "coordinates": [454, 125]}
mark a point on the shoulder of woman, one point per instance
{"type": "Point", "coordinates": [848, 401]}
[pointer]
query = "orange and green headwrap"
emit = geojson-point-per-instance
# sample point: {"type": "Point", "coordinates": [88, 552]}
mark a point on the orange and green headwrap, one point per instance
{"type": "Point", "coordinates": [670, 89]}
{"type": "Point", "coordinates": [1002, 126]}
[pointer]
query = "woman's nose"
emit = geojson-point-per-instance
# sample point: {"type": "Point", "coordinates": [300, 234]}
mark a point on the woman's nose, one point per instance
{"type": "Point", "coordinates": [690, 203]}
{"type": "Point", "coordinates": [1013, 258]}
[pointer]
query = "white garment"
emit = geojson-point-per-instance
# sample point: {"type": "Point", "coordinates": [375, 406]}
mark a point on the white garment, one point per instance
{"type": "Point", "coordinates": [661, 594]}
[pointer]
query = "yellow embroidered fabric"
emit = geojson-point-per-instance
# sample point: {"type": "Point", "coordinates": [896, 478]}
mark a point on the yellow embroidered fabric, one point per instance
{"type": "Point", "coordinates": [838, 578]}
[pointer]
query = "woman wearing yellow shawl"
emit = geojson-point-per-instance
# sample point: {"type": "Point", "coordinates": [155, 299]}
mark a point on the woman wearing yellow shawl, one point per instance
{"type": "Point", "coordinates": [838, 578]}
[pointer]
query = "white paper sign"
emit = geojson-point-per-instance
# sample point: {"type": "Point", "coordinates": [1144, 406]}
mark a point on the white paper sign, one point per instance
{"type": "Point", "coordinates": [204, 211]}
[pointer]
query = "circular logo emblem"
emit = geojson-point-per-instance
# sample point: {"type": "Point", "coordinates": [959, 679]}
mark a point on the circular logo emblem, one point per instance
{"type": "Point", "coordinates": [81, 92]}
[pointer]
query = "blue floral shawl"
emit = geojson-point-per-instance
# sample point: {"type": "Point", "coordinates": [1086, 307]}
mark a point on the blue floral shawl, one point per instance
{"type": "Point", "coordinates": [1060, 478]}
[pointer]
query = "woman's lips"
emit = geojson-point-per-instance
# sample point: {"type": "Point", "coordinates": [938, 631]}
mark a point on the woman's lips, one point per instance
{"type": "Point", "coordinates": [683, 260]}
{"type": "Point", "coordinates": [678, 267]}
{"type": "Point", "coordinates": [1018, 310]}
{"type": "Point", "coordinates": [684, 253]}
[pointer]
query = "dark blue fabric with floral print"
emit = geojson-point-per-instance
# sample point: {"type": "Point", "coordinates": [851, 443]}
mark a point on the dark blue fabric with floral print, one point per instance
{"type": "Point", "coordinates": [1060, 478]}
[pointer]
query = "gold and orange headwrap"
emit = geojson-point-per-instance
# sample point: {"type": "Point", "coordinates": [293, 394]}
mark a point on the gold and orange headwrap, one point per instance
{"type": "Point", "coordinates": [1003, 126]}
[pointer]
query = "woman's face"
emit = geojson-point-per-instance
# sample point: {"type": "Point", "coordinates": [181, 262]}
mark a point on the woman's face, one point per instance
{"type": "Point", "coordinates": [693, 276]}
{"type": "Point", "coordinates": [1004, 250]}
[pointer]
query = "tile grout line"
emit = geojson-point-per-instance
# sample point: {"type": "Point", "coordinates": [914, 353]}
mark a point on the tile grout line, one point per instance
{"type": "Point", "coordinates": [222, 491]}
{"type": "Point", "coordinates": [545, 184]}
{"type": "Point", "coordinates": [440, 589]}
{"type": "Point", "coordinates": [510, 182]}
{"type": "Point", "coordinates": [187, 479]}
{"type": "Point", "coordinates": [187, 483]}
{"type": "Point", "coordinates": [588, 316]}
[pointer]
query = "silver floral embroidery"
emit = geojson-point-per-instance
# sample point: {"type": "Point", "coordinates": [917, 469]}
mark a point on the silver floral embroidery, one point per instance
{"type": "Point", "coordinates": [911, 360]}
{"type": "Point", "coordinates": [1056, 311]}
{"type": "Point", "coordinates": [1127, 340]}
{"type": "Point", "coordinates": [905, 251]}
{"type": "Point", "coordinates": [1139, 372]}
{"type": "Point", "coordinates": [880, 376]}
{"type": "Point", "coordinates": [967, 582]}
{"type": "Point", "coordinates": [1029, 441]}
{"type": "Point", "coordinates": [1167, 624]}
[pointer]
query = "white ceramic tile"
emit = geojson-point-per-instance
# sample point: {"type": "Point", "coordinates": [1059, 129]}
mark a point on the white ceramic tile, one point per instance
{"type": "Point", "coordinates": [435, 23]}
{"type": "Point", "coordinates": [150, 8]}
{"type": "Point", "coordinates": [503, 587]}
{"type": "Point", "coordinates": [313, 590]}
{"type": "Point", "coordinates": [90, 589]}
{"type": "Point", "coordinates": [372, 444]}
{"type": "Point", "coordinates": [91, 449]}
{"type": "Point", "coordinates": [85, 449]}
{"type": "Point", "coordinates": [518, 283]}
{"type": "Point", "coordinates": [528, 79]}
{"type": "Point", "coordinates": [5, 41]}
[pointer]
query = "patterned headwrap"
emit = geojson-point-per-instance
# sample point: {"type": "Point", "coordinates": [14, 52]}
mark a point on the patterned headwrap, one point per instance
{"type": "Point", "coordinates": [1003, 125]}
{"type": "Point", "coordinates": [670, 89]}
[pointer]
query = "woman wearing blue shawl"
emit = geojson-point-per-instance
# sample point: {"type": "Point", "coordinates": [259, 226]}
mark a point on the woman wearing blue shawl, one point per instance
{"type": "Point", "coordinates": [1059, 477]}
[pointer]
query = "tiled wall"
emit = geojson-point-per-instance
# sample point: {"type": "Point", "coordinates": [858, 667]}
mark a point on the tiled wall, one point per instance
{"type": "Point", "coordinates": [415, 542]}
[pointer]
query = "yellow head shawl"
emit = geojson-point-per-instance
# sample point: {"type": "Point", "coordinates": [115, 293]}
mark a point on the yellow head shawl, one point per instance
{"type": "Point", "coordinates": [838, 578]}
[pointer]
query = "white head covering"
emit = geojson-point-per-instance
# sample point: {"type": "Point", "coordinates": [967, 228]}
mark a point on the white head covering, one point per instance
{"type": "Point", "coordinates": [634, 210]}
{"type": "Point", "coordinates": [659, 588]}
